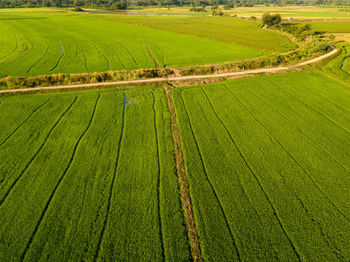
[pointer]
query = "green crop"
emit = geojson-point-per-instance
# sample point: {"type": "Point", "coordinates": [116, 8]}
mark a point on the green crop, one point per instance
{"type": "Point", "coordinates": [92, 176]}
{"type": "Point", "coordinates": [40, 43]}
{"type": "Point", "coordinates": [268, 162]}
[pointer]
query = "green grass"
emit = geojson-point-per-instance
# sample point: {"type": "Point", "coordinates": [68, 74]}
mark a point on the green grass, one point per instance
{"type": "Point", "coordinates": [92, 174]}
{"type": "Point", "coordinates": [331, 27]}
{"type": "Point", "coordinates": [89, 175]}
{"type": "Point", "coordinates": [224, 29]}
{"type": "Point", "coordinates": [339, 67]}
{"type": "Point", "coordinates": [37, 43]}
{"type": "Point", "coordinates": [268, 166]}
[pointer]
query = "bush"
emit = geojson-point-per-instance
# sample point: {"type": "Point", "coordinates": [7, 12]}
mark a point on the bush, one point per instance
{"type": "Point", "coordinates": [228, 7]}
{"type": "Point", "coordinates": [271, 20]}
{"type": "Point", "coordinates": [77, 9]}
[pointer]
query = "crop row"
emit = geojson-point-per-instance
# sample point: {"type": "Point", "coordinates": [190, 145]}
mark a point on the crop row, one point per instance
{"type": "Point", "coordinates": [268, 166]}
{"type": "Point", "coordinates": [53, 44]}
{"type": "Point", "coordinates": [89, 176]}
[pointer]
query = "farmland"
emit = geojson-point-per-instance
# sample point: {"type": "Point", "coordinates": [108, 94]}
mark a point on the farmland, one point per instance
{"type": "Point", "coordinates": [121, 202]}
{"type": "Point", "coordinates": [93, 173]}
{"type": "Point", "coordinates": [294, 11]}
{"type": "Point", "coordinates": [44, 43]}
{"type": "Point", "coordinates": [114, 164]}
{"type": "Point", "coordinates": [268, 165]}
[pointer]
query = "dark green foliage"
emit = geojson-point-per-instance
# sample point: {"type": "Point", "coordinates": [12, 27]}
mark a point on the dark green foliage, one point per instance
{"type": "Point", "coordinates": [270, 20]}
{"type": "Point", "coordinates": [78, 9]}
{"type": "Point", "coordinates": [301, 31]}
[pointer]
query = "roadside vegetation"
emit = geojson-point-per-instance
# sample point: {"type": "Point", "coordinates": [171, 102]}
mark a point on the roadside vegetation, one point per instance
{"type": "Point", "coordinates": [339, 67]}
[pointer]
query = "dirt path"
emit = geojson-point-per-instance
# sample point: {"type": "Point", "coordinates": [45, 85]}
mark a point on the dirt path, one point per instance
{"type": "Point", "coordinates": [177, 78]}
{"type": "Point", "coordinates": [183, 183]}
{"type": "Point", "coordinates": [153, 58]}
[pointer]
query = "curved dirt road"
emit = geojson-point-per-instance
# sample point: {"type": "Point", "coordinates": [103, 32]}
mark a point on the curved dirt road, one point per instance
{"type": "Point", "coordinates": [176, 78]}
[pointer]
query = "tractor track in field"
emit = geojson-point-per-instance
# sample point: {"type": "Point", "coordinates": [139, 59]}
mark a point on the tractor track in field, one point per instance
{"type": "Point", "coordinates": [41, 57]}
{"type": "Point", "coordinates": [105, 222]}
{"type": "Point", "coordinates": [163, 55]}
{"type": "Point", "coordinates": [263, 190]}
{"type": "Point", "coordinates": [158, 178]}
{"type": "Point", "coordinates": [128, 51]}
{"type": "Point", "coordinates": [13, 51]}
{"type": "Point", "coordinates": [185, 195]}
{"type": "Point", "coordinates": [151, 55]}
{"type": "Point", "coordinates": [311, 107]}
{"type": "Point", "coordinates": [325, 237]}
{"type": "Point", "coordinates": [210, 183]}
{"type": "Point", "coordinates": [330, 243]}
{"type": "Point", "coordinates": [83, 54]}
{"type": "Point", "coordinates": [119, 59]}
{"type": "Point", "coordinates": [37, 152]}
{"type": "Point", "coordinates": [299, 129]}
{"type": "Point", "coordinates": [314, 220]}
{"type": "Point", "coordinates": [231, 138]}
{"type": "Point", "coordinates": [24, 121]}
{"type": "Point", "coordinates": [102, 54]}
{"type": "Point", "coordinates": [325, 97]}
{"type": "Point", "coordinates": [251, 171]}
{"type": "Point", "coordinates": [12, 55]}
{"type": "Point", "coordinates": [274, 70]}
{"type": "Point", "coordinates": [59, 181]}
{"type": "Point", "coordinates": [60, 59]}
{"type": "Point", "coordinates": [294, 159]}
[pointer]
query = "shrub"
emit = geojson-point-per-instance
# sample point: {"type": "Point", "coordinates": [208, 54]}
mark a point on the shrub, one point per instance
{"type": "Point", "coordinates": [271, 20]}
{"type": "Point", "coordinates": [77, 9]}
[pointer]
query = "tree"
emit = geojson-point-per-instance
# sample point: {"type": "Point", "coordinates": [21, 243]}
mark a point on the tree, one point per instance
{"type": "Point", "coordinates": [271, 20]}
{"type": "Point", "coordinates": [276, 19]}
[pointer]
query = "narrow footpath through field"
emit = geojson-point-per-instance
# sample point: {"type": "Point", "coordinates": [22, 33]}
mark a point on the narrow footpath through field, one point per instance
{"type": "Point", "coordinates": [179, 78]}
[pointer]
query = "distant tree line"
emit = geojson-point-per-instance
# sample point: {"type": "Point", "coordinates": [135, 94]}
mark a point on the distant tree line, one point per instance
{"type": "Point", "coordinates": [113, 4]}
{"type": "Point", "coordinates": [123, 4]}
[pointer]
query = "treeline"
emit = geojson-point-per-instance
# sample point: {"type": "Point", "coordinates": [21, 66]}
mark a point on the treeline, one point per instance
{"type": "Point", "coordinates": [113, 4]}
{"type": "Point", "coordinates": [123, 4]}
{"type": "Point", "coordinates": [236, 3]}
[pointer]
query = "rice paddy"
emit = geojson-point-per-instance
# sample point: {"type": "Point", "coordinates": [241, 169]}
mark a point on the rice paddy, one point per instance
{"type": "Point", "coordinates": [44, 43]}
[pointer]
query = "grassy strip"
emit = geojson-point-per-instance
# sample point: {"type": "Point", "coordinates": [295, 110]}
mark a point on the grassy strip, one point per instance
{"type": "Point", "coordinates": [183, 183]}
{"type": "Point", "coordinates": [66, 79]}
{"type": "Point", "coordinates": [337, 67]}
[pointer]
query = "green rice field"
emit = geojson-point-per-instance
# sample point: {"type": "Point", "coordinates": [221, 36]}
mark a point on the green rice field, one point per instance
{"type": "Point", "coordinates": [44, 43]}
{"type": "Point", "coordinates": [91, 175]}
{"type": "Point", "coordinates": [268, 162]}
{"type": "Point", "coordinates": [331, 27]}
{"type": "Point", "coordinates": [88, 176]}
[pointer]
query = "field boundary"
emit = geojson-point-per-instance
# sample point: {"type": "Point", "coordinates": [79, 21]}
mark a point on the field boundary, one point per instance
{"type": "Point", "coordinates": [272, 70]}
{"type": "Point", "coordinates": [183, 182]}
